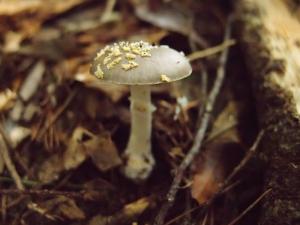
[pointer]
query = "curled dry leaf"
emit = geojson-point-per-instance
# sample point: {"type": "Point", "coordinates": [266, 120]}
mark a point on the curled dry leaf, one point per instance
{"type": "Point", "coordinates": [82, 145]}
{"type": "Point", "coordinates": [51, 169]}
{"type": "Point", "coordinates": [221, 154]}
{"type": "Point", "coordinates": [166, 16]}
{"type": "Point", "coordinates": [12, 41]}
{"type": "Point", "coordinates": [226, 121]}
{"type": "Point", "coordinates": [85, 144]}
{"type": "Point", "coordinates": [209, 175]}
{"type": "Point", "coordinates": [128, 214]}
{"type": "Point", "coordinates": [7, 98]}
{"type": "Point", "coordinates": [63, 208]}
{"type": "Point", "coordinates": [76, 152]}
{"type": "Point", "coordinates": [10, 8]}
{"type": "Point", "coordinates": [15, 133]}
{"type": "Point", "coordinates": [170, 16]}
{"type": "Point", "coordinates": [103, 152]}
{"type": "Point", "coordinates": [99, 190]}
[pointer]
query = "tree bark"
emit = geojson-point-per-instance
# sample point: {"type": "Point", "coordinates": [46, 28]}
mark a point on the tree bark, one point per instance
{"type": "Point", "coordinates": [269, 32]}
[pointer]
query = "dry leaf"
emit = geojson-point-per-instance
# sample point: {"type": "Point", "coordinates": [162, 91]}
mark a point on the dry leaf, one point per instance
{"type": "Point", "coordinates": [103, 152]}
{"type": "Point", "coordinates": [82, 145]}
{"type": "Point", "coordinates": [212, 168]}
{"type": "Point", "coordinates": [12, 41]}
{"type": "Point", "coordinates": [205, 185]}
{"type": "Point", "coordinates": [136, 207]}
{"type": "Point", "coordinates": [98, 190]}
{"type": "Point", "coordinates": [226, 121]}
{"type": "Point", "coordinates": [166, 16]}
{"type": "Point", "coordinates": [221, 154]}
{"type": "Point", "coordinates": [170, 16]}
{"type": "Point", "coordinates": [126, 215]}
{"type": "Point", "coordinates": [7, 98]}
{"type": "Point", "coordinates": [76, 152]}
{"type": "Point", "coordinates": [10, 8]}
{"type": "Point", "coordinates": [100, 148]}
{"type": "Point", "coordinates": [51, 169]}
{"type": "Point", "coordinates": [63, 207]}
{"type": "Point", "coordinates": [15, 133]}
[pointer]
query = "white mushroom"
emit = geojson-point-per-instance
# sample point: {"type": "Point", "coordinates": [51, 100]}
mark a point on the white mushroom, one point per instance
{"type": "Point", "coordinates": [139, 65]}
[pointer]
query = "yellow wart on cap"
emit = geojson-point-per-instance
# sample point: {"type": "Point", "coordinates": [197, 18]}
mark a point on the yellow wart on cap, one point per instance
{"type": "Point", "coordinates": [130, 56]}
{"type": "Point", "coordinates": [99, 73]}
{"type": "Point", "coordinates": [164, 78]}
{"type": "Point", "coordinates": [101, 53]}
{"type": "Point", "coordinates": [106, 59]}
{"type": "Point", "coordinates": [145, 54]}
{"type": "Point", "coordinates": [130, 65]}
{"type": "Point", "coordinates": [141, 48]}
{"type": "Point", "coordinates": [115, 51]}
{"type": "Point", "coordinates": [114, 62]}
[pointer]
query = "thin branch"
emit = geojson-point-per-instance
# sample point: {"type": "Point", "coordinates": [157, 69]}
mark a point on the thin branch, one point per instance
{"type": "Point", "coordinates": [4, 151]}
{"type": "Point", "coordinates": [246, 158]}
{"type": "Point", "coordinates": [249, 207]}
{"type": "Point", "coordinates": [42, 192]}
{"type": "Point", "coordinates": [56, 115]}
{"type": "Point", "coordinates": [159, 220]}
{"type": "Point", "coordinates": [211, 51]}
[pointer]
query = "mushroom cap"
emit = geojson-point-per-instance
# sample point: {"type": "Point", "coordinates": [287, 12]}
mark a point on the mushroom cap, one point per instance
{"type": "Point", "coordinates": [139, 63]}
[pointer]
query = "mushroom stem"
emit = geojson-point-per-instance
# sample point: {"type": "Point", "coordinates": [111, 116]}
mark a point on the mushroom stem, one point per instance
{"type": "Point", "coordinates": [138, 152]}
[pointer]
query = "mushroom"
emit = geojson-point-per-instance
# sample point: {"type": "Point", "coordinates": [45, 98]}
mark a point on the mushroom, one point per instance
{"type": "Point", "coordinates": [139, 65]}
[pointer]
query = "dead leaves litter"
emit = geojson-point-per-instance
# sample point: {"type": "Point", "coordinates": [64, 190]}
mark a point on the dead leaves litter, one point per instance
{"type": "Point", "coordinates": [82, 145]}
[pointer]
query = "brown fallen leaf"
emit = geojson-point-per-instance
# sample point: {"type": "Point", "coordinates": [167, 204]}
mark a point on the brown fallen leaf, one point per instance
{"type": "Point", "coordinates": [50, 170]}
{"type": "Point", "coordinates": [82, 145]}
{"type": "Point", "coordinates": [11, 8]}
{"type": "Point", "coordinates": [205, 184]}
{"type": "Point", "coordinates": [221, 154]}
{"type": "Point", "coordinates": [7, 99]}
{"type": "Point", "coordinates": [39, 11]}
{"type": "Point", "coordinates": [170, 16]}
{"type": "Point", "coordinates": [62, 208]}
{"type": "Point", "coordinates": [98, 190]}
{"type": "Point", "coordinates": [226, 121]}
{"type": "Point", "coordinates": [76, 152]}
{"type": "Point", "coordinates": [85, 144]}
{"type": "Point", "coordinates": [128, 214]}
{"type": "Point", "coordinates": [103, 152]}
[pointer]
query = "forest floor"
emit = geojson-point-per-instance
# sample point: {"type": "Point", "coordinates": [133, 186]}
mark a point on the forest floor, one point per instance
{"type": "Point", "coordinates": [63, 132]}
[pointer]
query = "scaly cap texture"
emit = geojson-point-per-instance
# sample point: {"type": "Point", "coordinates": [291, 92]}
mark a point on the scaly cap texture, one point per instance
{"type": "Point", "coordinates": [139, 63]}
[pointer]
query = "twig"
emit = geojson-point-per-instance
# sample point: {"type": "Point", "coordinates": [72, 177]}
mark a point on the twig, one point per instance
{"type": "Point", "coordinates": [246, 158]}
{"type": "Point", "coordinates": [224, 185]}
{"type": "Point", "coordinates": [159, 220]}
{"type": "Point", "coordinates": [43, 192]}
{"type": "Point", "coordinates": [210, 51]}
{"type": "Point", "coordinates": [250, 207]}
{"type": "Point", "coordinates": [108, 14]}
{"type": "Point", "coordinates": [56, 114]}
{"type": "Point", "coordinates": [182, 215]}
{"type": "Point", "coordinates": [8, 162]}
{"type": "Point", "coordinates": [25, 182]}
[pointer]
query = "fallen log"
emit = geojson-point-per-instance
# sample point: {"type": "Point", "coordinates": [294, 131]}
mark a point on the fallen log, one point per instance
{"type": "Point", "coordinates": [269, 33]}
